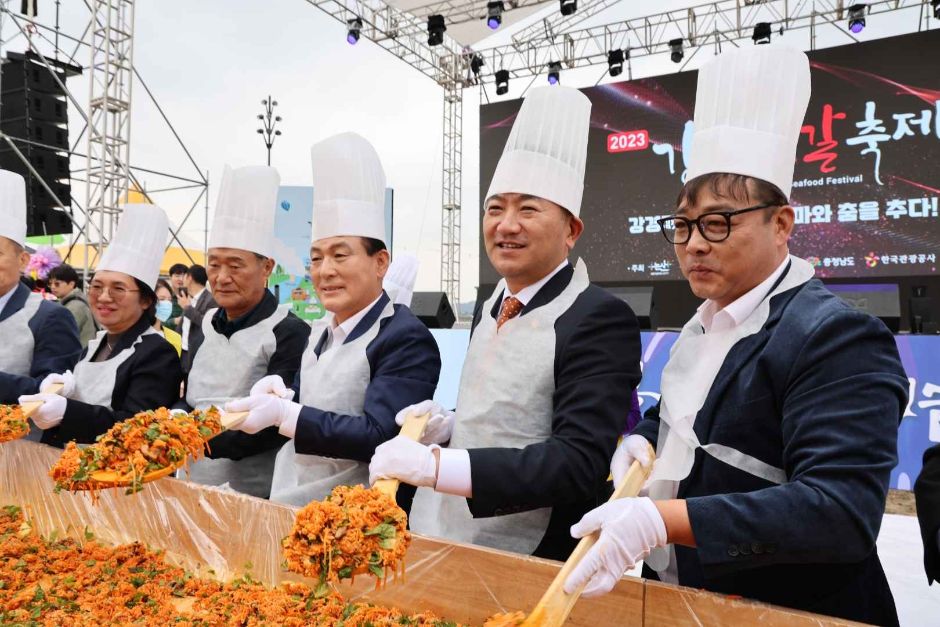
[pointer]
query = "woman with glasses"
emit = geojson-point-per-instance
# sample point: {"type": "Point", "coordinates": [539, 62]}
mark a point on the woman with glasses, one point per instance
{"type": "Point", "coordinates": [129, 367]}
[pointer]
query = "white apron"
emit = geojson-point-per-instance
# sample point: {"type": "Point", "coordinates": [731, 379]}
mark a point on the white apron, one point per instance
{"type": "Point", "coordinates": [16, 356]}
{"type": "Point", "coordinates": [694, 362]}
{"type": "Point", "coordinates": [334, 382]}
{"type": "Point", "coordinates": [94, 381]}
{"type": "Point", "coordinates": [505, 400]}
{"type": "Point", "coordinates": [225, 369]}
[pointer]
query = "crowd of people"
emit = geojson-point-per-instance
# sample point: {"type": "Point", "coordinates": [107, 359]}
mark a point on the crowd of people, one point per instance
{"type": "Point", "coordinates": [774, 437]}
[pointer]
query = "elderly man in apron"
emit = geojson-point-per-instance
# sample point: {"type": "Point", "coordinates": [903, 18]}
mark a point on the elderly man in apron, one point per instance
{"type": "Point", "coordinates": [129, 366]}
{"type": "Point", "coordinates": [249, 336]}
{"type": "Point", "coordinates": [37, 337]}
{"type": "Point", "coordinates": [551, 365]}
{"type": "Point", "coordinates": [776, 431]}
{"type": "Point", "coordinates": [372, 359]}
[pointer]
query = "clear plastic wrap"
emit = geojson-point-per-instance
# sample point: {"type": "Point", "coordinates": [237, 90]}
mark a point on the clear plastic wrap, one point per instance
{"type": "Point", "coordinates": [218, 533]}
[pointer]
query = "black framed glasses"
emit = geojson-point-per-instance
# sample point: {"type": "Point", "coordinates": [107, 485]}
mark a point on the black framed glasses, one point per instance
{"type": "Point", "coordinates": [715, 226]}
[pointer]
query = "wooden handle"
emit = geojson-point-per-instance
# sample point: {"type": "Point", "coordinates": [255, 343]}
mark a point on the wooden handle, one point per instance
{"type": "Point", "coordinates": [230, 420]}
{"type": "Point", "coordinates": [30, 408]}
{"type": "Point", "coordinates": [412, 429]}
{"type": "Point", "coordinates": [555, 605]}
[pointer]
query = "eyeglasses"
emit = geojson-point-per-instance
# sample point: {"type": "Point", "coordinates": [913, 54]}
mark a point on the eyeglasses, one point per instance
{"type": "Point", "coordinates": [714, 226]}
{"type": "Point", "coordinates": [116, 292]}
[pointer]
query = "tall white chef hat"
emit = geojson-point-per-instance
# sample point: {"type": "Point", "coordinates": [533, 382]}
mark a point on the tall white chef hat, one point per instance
{"type": "Point", "coordinates": [749, 108]}
{"type": "Point", "coordinates": [138, 244]}
{"type": "Point", "coordinates": [348, 188]}
{"type": "Point", "coordinates": [13, 207]}
{"type": "Point", "coordinates": [245, 210]}
{"type": "Point", "coordinates": [546, 151]}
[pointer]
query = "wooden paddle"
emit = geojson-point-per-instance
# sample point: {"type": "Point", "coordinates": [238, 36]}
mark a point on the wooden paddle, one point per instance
{"type": "Point", "coordinates": [413, 429]}
{"type": "Point", "coordinates": [30, 408]}
{"type": "Point", "coordinates": [109, 479]}
{"type": "Point", "coordinates": [555, 605]}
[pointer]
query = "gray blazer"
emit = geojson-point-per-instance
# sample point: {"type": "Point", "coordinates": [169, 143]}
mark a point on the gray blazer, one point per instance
{"type": "Point", "coordinates": [195, 314]}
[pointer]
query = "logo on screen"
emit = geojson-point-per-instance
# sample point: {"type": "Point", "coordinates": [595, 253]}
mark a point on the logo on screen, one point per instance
{"type": "Point", "coordinates": [871, 260]}
{"type": "Point", "coordinates": [628, 141]}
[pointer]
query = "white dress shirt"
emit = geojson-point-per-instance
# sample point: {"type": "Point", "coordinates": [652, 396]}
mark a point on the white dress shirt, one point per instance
{"type": "Point", "coordinates": [453, 474]}
{"type": "Point", "coordinates": [187, 323]}
{"type": "Point", "coordinates": [339, 332]}
{"type": "Point", "coordinates": [6, 297]}
{"type": "Point", "coordinates": [715, 319]}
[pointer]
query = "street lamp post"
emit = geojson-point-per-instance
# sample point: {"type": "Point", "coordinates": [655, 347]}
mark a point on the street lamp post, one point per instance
{"type": "Point", "coordinates": [268, 122]}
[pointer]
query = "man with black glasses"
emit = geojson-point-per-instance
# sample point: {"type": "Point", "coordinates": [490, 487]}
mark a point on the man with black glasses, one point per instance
{"type": "Point", "coordinates": [776, 431]}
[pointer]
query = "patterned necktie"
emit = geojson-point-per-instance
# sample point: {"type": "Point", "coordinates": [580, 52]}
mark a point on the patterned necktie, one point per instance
{"type": "Point", "coordinates": [511, 308]}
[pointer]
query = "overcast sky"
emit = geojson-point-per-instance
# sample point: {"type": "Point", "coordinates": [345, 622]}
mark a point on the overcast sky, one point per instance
{"type": "Point", "coordinates": [210, 63]}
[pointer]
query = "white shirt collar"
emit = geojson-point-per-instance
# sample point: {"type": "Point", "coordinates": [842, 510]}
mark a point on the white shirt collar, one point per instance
{"type": "Point", "coordinates": [714, 319]}
{"type": "Point", "coordinates": [6, 297]}
{"type": "Point", "coordinates": [528, 292]}
{"type": "Point", "coordinates": [196, 296]}
{"type": "Point", "coordinates": [342, 330]}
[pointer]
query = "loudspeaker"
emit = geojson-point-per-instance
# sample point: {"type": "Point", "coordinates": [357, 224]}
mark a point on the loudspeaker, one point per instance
{"type": "Point", "coordinates": [923, 313]}
{"type": "Point", "coordinates": [878, 299]}
{"type": "Point", "coordinates": [433, 309]}
{"type": "Point", "coordinates": [641, 302]}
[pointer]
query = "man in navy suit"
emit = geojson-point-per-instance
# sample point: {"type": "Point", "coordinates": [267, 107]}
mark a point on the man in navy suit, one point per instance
{"type": "Point", "coordinates": [551, 366]}
{"type": "Point", "coordinates": [37, 337]}
{"type": "Point", "coordinates": [776, 431]}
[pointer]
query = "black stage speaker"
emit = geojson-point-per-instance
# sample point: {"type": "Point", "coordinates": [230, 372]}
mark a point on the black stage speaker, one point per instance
{"type": "Point", "coordinates": [878, 299]}
{"type": "Point", "coordinates": [34, 114]}
{"type": "Point", "coordinates": [641, 302]}
{"type": "Point", "coordinates": [923, 312]}
{"type": "Point", "coordinates": [433, 309]}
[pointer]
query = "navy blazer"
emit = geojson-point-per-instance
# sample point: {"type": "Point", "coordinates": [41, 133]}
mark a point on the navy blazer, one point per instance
{"type": "Point", "coordinates": [819, 391]}
{"type": "Point", "coordinates": [56, 347]}
{"type": "Point", "coordinates": [597, 367]}
{"type": "Point", "coordinates": [927, 492]}
{"type": "Point", "coordinates": [404, 364]}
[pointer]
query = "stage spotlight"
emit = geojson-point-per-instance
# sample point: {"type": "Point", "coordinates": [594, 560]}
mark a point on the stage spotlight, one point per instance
{"type": "Point", "coordinates": [615, 62]}
{"type": "Point", "coordinates": [675, 46]}
{"type": "Point", "coordinates": [761, 33]}
{"type": "Point", "coordinates": [502, 82]}
{"type": "Point", "coordinates": [569, 6]}
{"type": "Point", "coordinates": [476, 64]}
{"type": "Point", "coordinates": [857, 17]}
{"type": "Point", "coordinates": [936, 9]}
{"type": "Point", "coordinates": [354, 27]}
{"type": "Point", "coordinates": [554, 72]}
{"type": "Point", "coordinates": [436, 28]}
{"type": "Point", "coordinates": [494, 14]}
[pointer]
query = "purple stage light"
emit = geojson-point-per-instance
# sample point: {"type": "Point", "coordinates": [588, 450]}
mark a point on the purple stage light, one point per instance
{"type": "Point", "coordinates": [857, 26]}
{"type": "Point", "coordinates": [552, 79]}
{"type": "Point", "coordinates": [352, 38]}
{"type": "Point", "coordinates": [493, 23]}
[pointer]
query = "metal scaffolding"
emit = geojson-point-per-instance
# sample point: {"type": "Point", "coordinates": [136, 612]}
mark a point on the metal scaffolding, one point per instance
{"type": "Point", "coordinates": [452, 186]}
{"type": "Point", "coordinates": [110, 72]}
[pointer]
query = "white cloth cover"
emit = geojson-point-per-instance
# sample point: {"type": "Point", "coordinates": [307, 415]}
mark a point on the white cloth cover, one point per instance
{"type": "Point", "coordinates": [94, 380]}
{"type": "Point", "coordinates": [348, 189]}
{"type": "Point", "coordinates": [505, 400]}
{"type": "Point", "coordinates": [546, 151]}
{"type": "Point", "coordinates": [694, 362]}
{"type": "Point", "coordinates": [245, 210]}
{"type": "Point", "coordinates": [139, 243]}
{"type": "Point", "coordinates": [334, 382]}
{"type": "Point", "coordinates": [749, 107]}
{"type": "Point", "coordinates": [13, 207]}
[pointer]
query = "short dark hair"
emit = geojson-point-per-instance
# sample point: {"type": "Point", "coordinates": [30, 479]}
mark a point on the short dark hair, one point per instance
{"type": "Point", "coordinates": [178, 268]}
{"type": "Point", "coordinates": [198, 274]}
{"type": "Point", "coordinates": [373, 245]}
{"type": "Point", "coordinates": [738, 187]}
{"type": "Point", "coordinates": [66, 274]}
{"type": "Point", "coordinates": [146, 293]}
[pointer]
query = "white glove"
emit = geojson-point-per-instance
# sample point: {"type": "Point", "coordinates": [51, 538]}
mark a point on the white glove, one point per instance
{"type": "Point", "coordinates": [633, 447]}
{"type": "Point", "coordinates": [264, 410]}
{"type": "Point", "coordinates": [406, 460]}
{"type": "Point", "coordinates": [272, 384]}
{"type": "Point", "coordinates": [67, 379]}
{"type": "Point", "coordinates": [440, 425]}
{"type": "Point", "coordinates": [399, 281]}
{"type": "Point", "coordinates": [629, 528]}
{"type": "Point", "coordinates": [50, 413]}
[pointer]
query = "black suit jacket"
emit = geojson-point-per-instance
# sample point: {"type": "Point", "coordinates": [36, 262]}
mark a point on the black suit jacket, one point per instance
{"type": "Point", "coordinates": [597, 367]}
{"type": "Point", "coordinates": [927, 493]}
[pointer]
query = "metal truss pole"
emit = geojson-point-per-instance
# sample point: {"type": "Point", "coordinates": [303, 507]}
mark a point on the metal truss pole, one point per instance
{"type": "Point", "coordinates": [451, 192]}
{"type": "Point", "coordinates": [110, 72]}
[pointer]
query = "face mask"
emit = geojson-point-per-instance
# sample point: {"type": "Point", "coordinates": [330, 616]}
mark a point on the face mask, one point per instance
{"type": "Point", "coordinates": [164, 308]}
